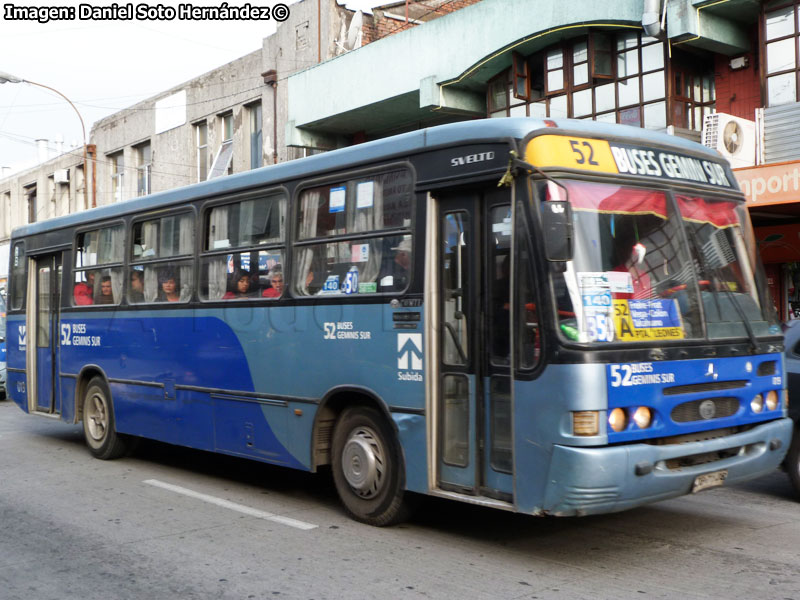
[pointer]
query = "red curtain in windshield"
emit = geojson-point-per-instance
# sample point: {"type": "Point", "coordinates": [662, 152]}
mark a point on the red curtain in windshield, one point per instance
{"type": "Point", "coordinates": [718, 213]}
{"type": "Point", "coordinates": [618, 200]}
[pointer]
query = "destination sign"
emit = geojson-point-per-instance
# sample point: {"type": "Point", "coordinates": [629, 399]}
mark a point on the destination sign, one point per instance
{"type": "Point", "coordinates": [605, 156]}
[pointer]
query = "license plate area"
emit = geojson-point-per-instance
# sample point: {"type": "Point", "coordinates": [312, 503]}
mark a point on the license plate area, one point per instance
{"type": "Point", "coordinates": [709, 480]}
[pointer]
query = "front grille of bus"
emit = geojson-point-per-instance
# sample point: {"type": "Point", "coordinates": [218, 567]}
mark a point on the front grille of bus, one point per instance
{"type": "Point", "coordinates": [704, 458]}
{"type": "Point", "coordinates": [698, 436]}
{"type": "Point", "coordinates": [769, 367]}
{"type": "Point", "coordinates": [690, 411]}
{"type": "Point", "coordinates": [712, 386]}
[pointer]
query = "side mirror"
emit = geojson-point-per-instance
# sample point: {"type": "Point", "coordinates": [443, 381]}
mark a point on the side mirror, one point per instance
{"type": "Point", "coordinates": [557, 225]}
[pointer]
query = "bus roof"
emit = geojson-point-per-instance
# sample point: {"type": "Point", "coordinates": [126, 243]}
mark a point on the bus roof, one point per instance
{"type": "Point", "coordinates": [481, 130]}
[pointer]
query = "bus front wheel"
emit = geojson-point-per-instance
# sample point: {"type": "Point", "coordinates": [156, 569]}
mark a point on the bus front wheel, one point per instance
{"type": "Point", "coordinates": [98, 422]}
{"type": "Point", "coordinates": [367, 468]}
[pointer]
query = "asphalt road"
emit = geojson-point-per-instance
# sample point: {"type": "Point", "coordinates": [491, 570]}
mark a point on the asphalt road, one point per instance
{"type": "Point", "coordinates": [174, 523]}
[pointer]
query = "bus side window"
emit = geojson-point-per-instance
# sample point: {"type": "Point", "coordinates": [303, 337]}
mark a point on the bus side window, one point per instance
{"type": "Point", "coordinates": [375, 213]}
{"type": "Point", "coordinates": [18, 277]}
{"type": "Point", "coordinates": [161, 248]}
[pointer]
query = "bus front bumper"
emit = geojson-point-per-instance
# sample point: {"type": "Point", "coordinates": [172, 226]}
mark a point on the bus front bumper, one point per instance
{"type": "Point", "coordinates": [585, 481]}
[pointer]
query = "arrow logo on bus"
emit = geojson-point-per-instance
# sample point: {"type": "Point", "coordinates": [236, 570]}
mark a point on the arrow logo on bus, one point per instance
{"type": "Point", "coordinates": [409, 350]}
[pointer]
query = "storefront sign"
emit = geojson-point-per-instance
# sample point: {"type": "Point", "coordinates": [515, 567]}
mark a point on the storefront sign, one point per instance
{"type": "Point", "coordinates": [776, 183]}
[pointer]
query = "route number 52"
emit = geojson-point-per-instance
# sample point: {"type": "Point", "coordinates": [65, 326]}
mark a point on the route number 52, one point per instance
{"type": "Point", "coordinates": [578, 148]}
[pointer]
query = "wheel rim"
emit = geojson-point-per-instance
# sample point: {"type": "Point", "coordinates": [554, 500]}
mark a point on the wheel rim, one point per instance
{"type": "Point", "coordinates": [363, 462]}
{"type": "Point", "coordinates": [96, 415]}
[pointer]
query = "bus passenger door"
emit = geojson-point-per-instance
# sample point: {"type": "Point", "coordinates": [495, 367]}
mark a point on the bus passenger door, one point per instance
{"type": "Point", "coordinates": [472, 395]}
{"type": "Point", "coordinates": [43, 338]}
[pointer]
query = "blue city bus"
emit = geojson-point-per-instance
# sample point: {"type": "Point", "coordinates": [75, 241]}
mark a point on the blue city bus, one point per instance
{"type": "Point", "coordinates": [547, 317]}
{"type": "Point", "coordinates": [2, 345]}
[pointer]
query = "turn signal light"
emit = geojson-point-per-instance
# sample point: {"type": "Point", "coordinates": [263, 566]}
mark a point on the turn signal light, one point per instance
{"type": "Point", "coordinates": [586, 422]}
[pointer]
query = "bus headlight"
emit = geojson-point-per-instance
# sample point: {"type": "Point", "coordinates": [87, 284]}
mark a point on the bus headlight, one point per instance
{"type": "Point", "coordinates": [757, 404]}
{"type": "Point", "coordinates": [586, 422]}
{"type": "Point", "coordinates": [642, 417]}
{"type": "Point", "coordinates": [772, 400]}
{"type": "Point", "coordinates": [617, 419]}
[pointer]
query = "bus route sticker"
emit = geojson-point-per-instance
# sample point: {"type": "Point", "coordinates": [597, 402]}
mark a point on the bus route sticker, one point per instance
{"type": "Point", "coordinates": [643, 320]}
{"type": "Point", "coordinates": [597, 306]}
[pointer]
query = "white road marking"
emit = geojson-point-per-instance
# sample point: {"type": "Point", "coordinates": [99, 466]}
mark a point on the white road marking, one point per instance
{"type": "Point", "coordinates": [253, 512]}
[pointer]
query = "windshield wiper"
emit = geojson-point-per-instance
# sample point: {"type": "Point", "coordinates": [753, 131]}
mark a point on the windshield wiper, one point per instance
{"type": "Point", "coordinates": [719, 283]}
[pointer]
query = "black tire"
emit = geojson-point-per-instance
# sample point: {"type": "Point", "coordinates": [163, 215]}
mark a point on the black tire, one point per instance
{"type": "Point", "coordinates": [368, 468]}
{"type": "Point", "coordinates": [99, 430]}
{"type": "Point", "coordinates": [792, 461]}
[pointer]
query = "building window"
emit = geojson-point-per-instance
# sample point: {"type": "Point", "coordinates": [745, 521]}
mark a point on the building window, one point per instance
{"type": "Point", "coordinates": [202, 151]}
{"type": "Point", "coordinates": [694, 95]}
{"type": "Point", "coordinates": [780, 52]}
{"type": "Point", "coordinates": [117, 162]}
{"type": "Point", "coordinates": [51, 192]}
{"type": "Point", "coordinates": [143, 167]}
{"type": "Point", "coordinates": [256, 136]}
{"type": "Point", "coordinates": [30, 200]}
{"type": "Point", "coordinates": [614, 78]}
{"type": "Point", "coordinates": [5, 209]}
{"type": "Point", "coordinates": [223, 163]}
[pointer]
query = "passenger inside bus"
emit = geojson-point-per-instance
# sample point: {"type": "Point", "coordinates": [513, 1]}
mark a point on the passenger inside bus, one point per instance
{"type": "Point", "coordinates": [276, 281]}
{"type": "Point", "coordinates": [170, 287]}
{"type": "Point", "coordinates": [83, 290]}
{"type": "Point", "coordinates": [240, 286]}
{"type": "Point", "coordinates": [136, 293]}
{"type": "Point", "coordinates": [106, 295]}
{"type": "Point", "coordinates": [402, 264]}
{"type": "Point", "coordinates": [501, 304]}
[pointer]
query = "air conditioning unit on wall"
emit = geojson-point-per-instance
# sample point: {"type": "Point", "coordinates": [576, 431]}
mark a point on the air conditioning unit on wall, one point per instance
{"type": "Point", "coordinates": [733, 137]}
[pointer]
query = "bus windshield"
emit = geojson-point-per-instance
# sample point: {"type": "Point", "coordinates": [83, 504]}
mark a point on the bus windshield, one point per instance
{"type": "Point", "coordinates": [633, 279]}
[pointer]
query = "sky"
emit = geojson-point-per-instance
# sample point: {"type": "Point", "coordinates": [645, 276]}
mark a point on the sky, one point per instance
{"type": "Point", "coordinates": [105, 66]}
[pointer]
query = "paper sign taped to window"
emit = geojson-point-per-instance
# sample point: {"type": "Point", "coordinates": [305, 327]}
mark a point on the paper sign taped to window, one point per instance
{"type": "Point", "coordinates": [337, 198]}
{"type": "Point", "coordinates": [359, 253]}
{"type": "Point", "coordinates": [365, 194]}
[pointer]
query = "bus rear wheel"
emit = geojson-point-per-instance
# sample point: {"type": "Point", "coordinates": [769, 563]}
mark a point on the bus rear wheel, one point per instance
{"type": "Point", "coordinates": [368, 468]}
{"type": "Point", "coordinates": [98, 422]}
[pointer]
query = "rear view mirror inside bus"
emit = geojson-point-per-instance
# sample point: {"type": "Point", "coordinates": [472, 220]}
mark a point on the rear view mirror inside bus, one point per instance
{"type": "Point", "coordinates": [557, 226]}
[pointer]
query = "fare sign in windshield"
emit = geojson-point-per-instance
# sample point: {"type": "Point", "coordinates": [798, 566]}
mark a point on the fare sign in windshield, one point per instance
{"type": "Point", "coordinates": [605, 156]}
